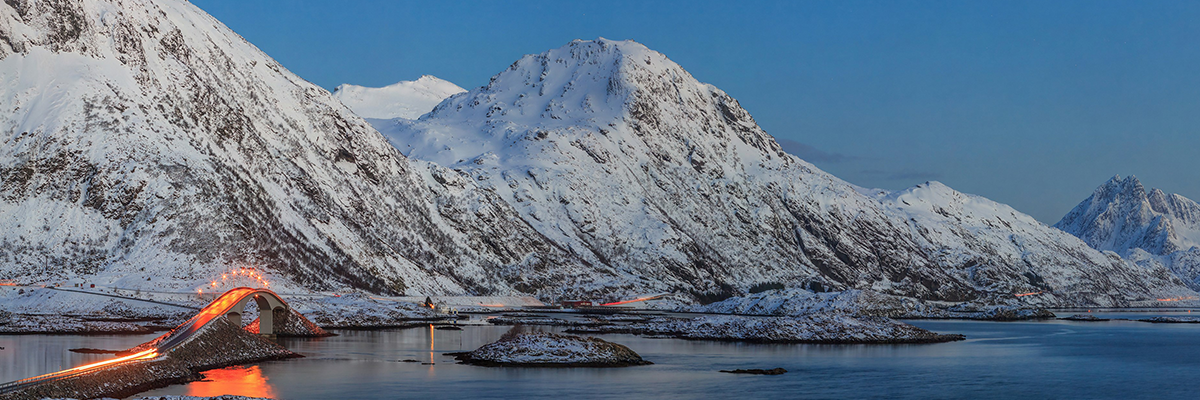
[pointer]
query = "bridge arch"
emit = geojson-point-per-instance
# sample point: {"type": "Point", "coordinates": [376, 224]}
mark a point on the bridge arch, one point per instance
{"type": "Point", "coordinates": [267, 302]}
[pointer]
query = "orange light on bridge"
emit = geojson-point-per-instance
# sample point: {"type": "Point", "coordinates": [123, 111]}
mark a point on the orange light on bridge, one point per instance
{"type": "Point", "coordinates": [1027, 294]}
{"type": "Point", "coordinates": [1179, 298]}
{"type": "Point", "coordinates": [135, 356]}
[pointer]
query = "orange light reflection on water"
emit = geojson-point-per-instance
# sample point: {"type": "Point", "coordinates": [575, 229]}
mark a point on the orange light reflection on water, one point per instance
{"type": "Point", "coordinates": [239, 380]}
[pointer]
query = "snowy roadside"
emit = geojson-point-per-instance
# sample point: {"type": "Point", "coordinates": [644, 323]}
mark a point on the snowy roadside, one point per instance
{"type": "Point", "coordinates": [800, 302]}
{"type": "Point", "coordinates": [824, 328]}
{"type": "Point", "coordinates": [29, 310]}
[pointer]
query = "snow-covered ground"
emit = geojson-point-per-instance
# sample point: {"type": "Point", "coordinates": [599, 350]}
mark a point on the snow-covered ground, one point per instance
{"type": "Point", "coordinates": [360, 311]}
{"type": "Point", "coordinates": [798, 302]}
{"type": "Point", "coordinates": [830, 327]}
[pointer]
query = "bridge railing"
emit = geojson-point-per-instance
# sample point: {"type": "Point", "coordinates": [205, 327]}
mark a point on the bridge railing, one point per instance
{"type": "Point", "coordinates": [58, 376]}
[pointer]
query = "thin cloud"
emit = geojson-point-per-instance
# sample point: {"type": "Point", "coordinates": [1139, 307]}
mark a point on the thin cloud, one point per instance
{"type": "Point", "coordinates": [809, 153]}
{"type": "Point", "coordinates": [902, 175]}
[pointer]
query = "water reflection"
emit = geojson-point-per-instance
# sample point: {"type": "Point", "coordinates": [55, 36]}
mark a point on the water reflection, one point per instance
{"type": "Point", "coordinates": [239, 380]}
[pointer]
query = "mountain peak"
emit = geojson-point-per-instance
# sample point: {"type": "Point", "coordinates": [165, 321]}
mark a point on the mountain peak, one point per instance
{"type": "Point", "coordinates": [584, 79]}
{"type": "Point", "coordinates": [597, 87]}
{"type": "Point", "coordinates": [1122, 216]}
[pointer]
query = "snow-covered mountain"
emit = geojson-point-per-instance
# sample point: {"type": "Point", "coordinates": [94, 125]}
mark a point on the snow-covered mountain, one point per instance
{"type": "Point", "coordinates": [621, 157]}
{"type": "Point", "coordinates": [145, 144]}
{"type": "Point", "coordinates": [404, 99]}
{"type": "Point", "coordinates": [1148, 227]}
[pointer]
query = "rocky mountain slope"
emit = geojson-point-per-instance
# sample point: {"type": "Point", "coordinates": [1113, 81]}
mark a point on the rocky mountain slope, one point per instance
{"type": "Point", "coordinates": [404, 99]}
{"type": "Point", "coordinates": [667, 184]}
{"type": "Point", "coordinates": [1149, 227]}
{"type": "Point", "coordinates": [147, 145]}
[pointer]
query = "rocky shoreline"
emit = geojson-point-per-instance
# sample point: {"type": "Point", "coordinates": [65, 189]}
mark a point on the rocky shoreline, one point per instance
{"type": "Point", "coordinates": [812, 329]}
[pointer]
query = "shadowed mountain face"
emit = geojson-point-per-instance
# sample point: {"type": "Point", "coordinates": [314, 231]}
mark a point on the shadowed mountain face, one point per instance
{"type": "Point", "coordinates": [1149, 227]}
{"type": "Point", "coordinates": [144, 139]}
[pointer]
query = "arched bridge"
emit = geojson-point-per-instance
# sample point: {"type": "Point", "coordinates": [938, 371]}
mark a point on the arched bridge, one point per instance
{"type": "Point", "coordinates": [230, 305]}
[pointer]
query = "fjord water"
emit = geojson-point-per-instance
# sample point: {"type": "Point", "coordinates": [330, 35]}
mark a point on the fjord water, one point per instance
{"type": "Point", "coordinates": [1039, 359]}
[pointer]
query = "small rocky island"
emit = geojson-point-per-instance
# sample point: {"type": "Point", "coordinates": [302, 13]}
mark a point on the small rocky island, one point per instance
{"type": "Point", "coordinates": [545, 349]}
{"type": "Point", "coordinates": [1084, 317]}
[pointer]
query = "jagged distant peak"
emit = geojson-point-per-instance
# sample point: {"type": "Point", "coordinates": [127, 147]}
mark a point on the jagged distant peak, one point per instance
{"type": "Point", "coordinates": [404, 99]}
{"type": "Point", "coordinates": [1128, 186]}
{"type": "Point", "coordinates": [1123, 216]}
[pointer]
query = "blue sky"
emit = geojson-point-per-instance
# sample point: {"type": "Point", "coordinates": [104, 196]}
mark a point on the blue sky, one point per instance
{"type": "Point", "coordinates": [1032, 104]}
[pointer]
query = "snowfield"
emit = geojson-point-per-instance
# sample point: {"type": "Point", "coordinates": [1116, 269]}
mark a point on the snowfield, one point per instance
{"type": "Point", "coordinates": [404, 99]}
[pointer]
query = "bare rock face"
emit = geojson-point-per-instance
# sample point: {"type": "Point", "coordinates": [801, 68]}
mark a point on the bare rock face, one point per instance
{"type": "Point", "coordinates": [1149, 227]}
{"type": "Point", "coordinates": [144, 139]}
{"type": "Point", "coordinates": [662, 183]}
{"type": "Point", "coordinates": [545, 349]}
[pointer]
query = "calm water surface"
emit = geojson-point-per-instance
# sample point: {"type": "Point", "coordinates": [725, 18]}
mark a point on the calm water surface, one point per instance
{"type": "Point", "coordinates": [1050, 359]}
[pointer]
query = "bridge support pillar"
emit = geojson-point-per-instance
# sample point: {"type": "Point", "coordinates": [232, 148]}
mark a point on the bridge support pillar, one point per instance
{"type": "Point", "coordinates": [235, 318]}
{"type": "Point", "coordinates": [266, 322]}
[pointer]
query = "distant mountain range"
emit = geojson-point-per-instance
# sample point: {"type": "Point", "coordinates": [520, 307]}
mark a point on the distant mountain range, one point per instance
{"type": "Point", "coordinates": [1151, 227]}
{"type": "Point", "coordinates": [147, 145]}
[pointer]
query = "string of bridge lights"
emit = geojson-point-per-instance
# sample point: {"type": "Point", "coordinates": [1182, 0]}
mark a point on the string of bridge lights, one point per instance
{"type": "Point", "coordinates": [235, 277]}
